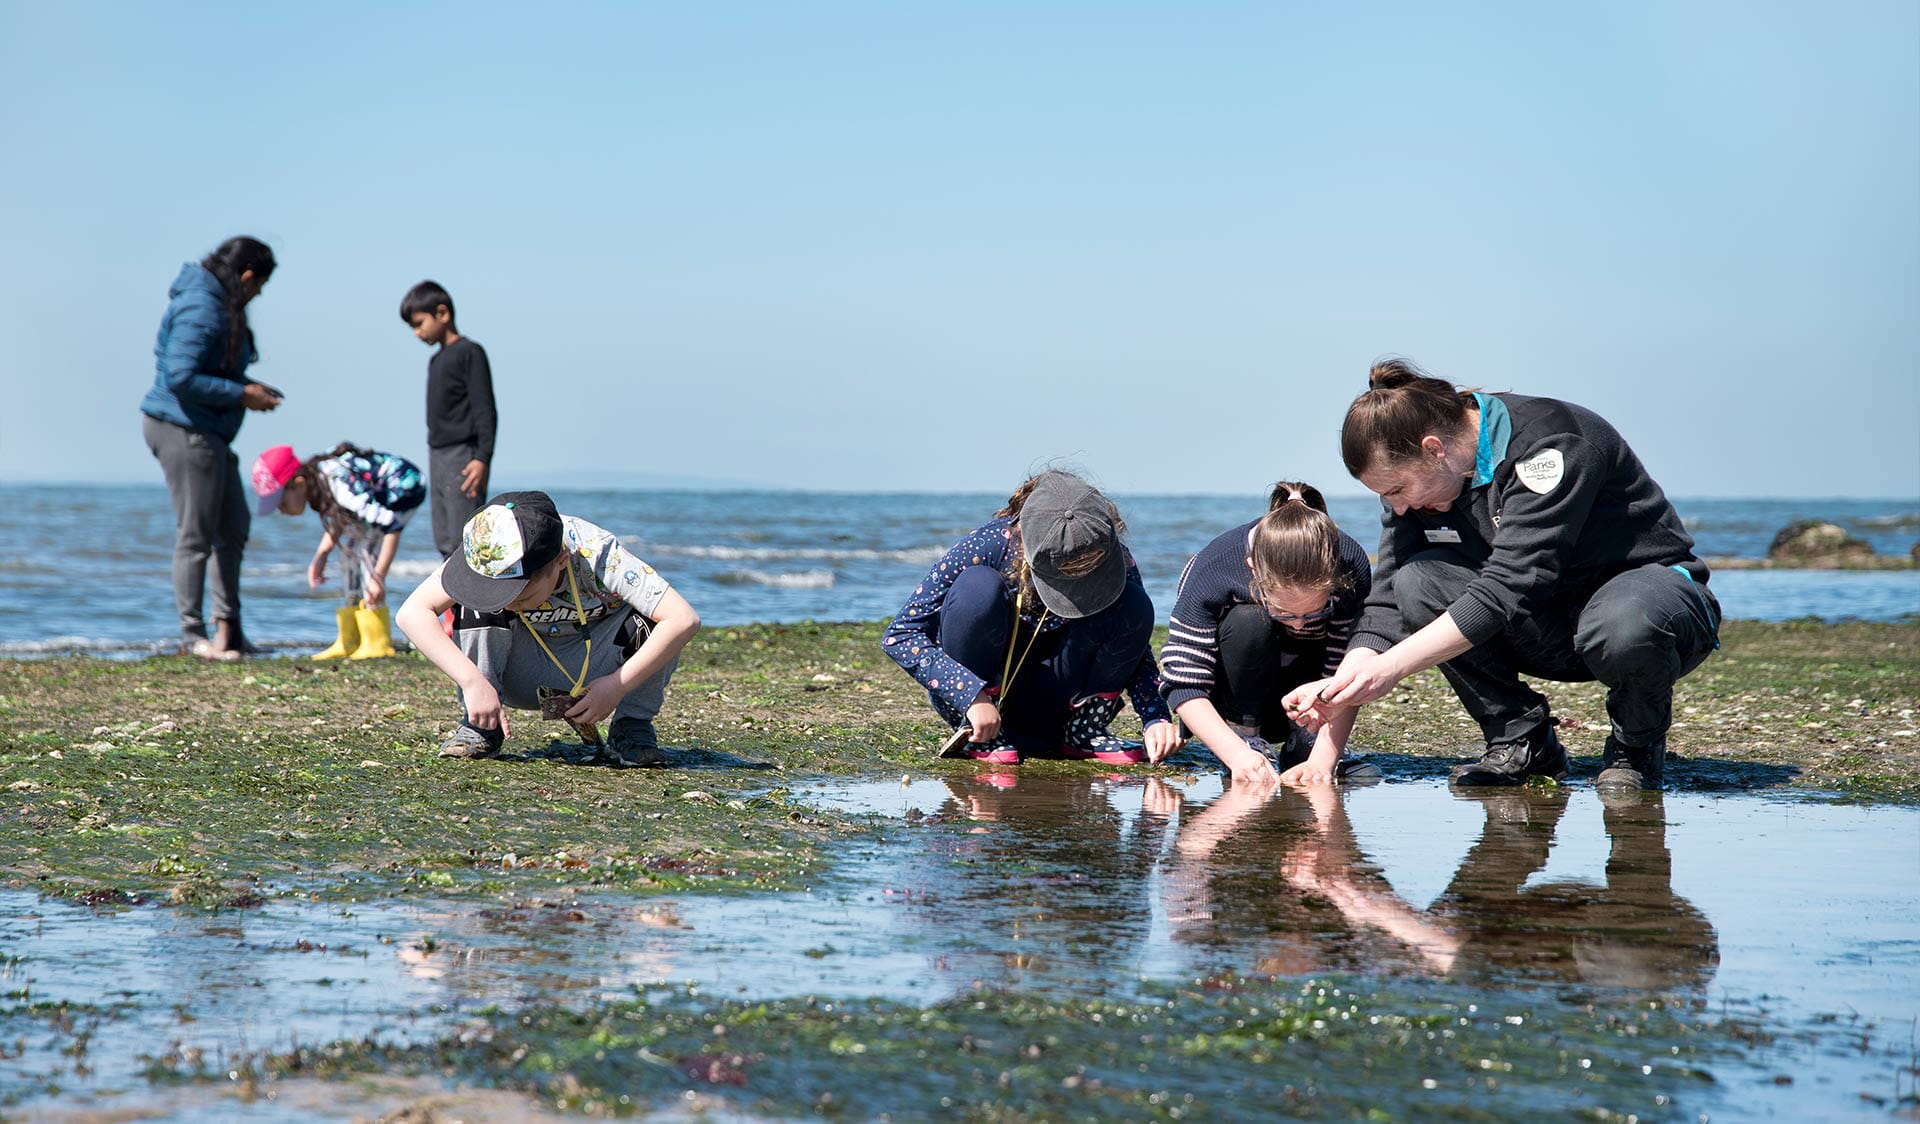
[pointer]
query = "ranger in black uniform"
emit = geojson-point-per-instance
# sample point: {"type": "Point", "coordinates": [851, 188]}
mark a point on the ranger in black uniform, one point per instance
{"type": "Point", "coordinates": [1521, 536]}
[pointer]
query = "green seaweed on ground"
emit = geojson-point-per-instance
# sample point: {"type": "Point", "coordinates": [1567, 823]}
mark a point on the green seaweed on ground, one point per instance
{"type": "Point", "coordinates": [1219, 1048]}
{"type": "Point", "coordinates": [175, 781]}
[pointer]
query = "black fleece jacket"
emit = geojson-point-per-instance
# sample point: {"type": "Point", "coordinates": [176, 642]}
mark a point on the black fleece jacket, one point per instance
{"type": "Point", "coordinates": [1568, 508]}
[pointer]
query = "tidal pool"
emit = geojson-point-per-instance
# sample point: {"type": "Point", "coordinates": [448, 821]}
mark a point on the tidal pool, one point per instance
{"type": "Point", "coordinates": [1797, 915]}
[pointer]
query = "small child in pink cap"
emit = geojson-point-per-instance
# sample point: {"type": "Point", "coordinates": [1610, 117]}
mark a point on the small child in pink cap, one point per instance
{"type": "Point", "coordinates": [364, 499]}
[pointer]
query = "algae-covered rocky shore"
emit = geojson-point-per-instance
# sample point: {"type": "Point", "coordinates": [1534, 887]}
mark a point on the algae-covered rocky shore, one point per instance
{"type": "Point", "coordinates": [168, 778]}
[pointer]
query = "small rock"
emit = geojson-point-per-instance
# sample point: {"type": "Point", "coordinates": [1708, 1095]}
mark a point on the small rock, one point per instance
{"type": "Point", "coordinates": [823, 677]}
{"type": "Point", "coordinates": [699, 797]}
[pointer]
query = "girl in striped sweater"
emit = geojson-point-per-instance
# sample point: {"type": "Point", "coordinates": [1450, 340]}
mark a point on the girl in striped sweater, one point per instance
{"type": "Point", "coordinates": [1264, 608]}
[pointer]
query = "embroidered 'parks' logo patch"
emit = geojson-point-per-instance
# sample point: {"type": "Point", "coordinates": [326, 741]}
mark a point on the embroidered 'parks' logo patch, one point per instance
{"type": "Point", "coordinates": [1542, 471]}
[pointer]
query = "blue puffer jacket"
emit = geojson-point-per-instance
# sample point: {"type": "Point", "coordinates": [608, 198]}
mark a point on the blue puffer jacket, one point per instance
{"type": "Point", "coordinates": [191, 383]}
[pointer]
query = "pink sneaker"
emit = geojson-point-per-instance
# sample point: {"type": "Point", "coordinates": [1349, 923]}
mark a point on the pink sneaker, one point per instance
{"type": "Point", "coordinates": [1108, 749]}
{"type": "Point", "coordinates": [993, 753]}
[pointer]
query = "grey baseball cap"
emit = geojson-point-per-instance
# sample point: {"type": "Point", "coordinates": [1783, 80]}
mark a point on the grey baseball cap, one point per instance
{"type": "Point", "coordinates": [1063, 520]}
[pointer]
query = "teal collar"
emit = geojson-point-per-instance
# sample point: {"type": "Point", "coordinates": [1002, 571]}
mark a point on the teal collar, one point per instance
{"type": "Point", "coordinates": [1496, 430]}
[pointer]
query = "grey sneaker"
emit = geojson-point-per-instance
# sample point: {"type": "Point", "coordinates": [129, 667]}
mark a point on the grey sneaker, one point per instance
{"type": "Point", "coordinates": [634, 744]}
{"type": "Point", "coordinates": [1300, 745]}
{"type": "Point", "coordinates": [1358, 769]}
{"type": "Point", "coordinates": [471, 741]}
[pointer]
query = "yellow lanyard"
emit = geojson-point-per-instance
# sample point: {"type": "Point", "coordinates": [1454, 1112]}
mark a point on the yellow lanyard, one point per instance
{"type": "Point", "coordinates": [579, 681]}
{"type": "Point", "coordinates": [1009, 669]}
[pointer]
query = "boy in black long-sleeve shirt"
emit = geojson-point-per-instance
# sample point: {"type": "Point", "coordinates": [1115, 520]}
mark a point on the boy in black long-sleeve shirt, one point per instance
{"type": "Point", "coordinates": [461, 419]}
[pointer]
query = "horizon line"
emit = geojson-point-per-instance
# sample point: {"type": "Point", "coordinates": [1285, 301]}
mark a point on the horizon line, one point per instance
{"type": "Point", "coordinates": [728, 488]}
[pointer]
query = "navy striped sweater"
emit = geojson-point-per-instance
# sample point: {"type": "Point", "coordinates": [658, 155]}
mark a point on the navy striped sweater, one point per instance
{"type": "Point", "coordinates": [1216, 580]}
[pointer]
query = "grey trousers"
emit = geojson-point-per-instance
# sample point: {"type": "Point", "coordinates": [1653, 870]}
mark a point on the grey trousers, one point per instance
{"type": "Point", "coordinates": [500, 646]}
{"type": "Point", "coordinates": [1638, 634]}
{"type": "Point", "coordinates": [451, 507]}
{"type": "Point", "coordinates": [212, 517]}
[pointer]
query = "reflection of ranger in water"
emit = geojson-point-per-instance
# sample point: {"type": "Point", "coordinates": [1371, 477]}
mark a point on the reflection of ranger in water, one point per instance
{"type": "Point", "coordinates": [1632, 932]}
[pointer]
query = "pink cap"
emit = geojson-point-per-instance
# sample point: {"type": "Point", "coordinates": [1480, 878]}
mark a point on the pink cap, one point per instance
{"type": "Point", "coordinates": [271, 471]}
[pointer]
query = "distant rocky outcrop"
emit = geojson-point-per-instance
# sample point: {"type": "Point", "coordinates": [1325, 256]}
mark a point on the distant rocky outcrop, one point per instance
{"type": "Point", "coordinates": [1815, 544]}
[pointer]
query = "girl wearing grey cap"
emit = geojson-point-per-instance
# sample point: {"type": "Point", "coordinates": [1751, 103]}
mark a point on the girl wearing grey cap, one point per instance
{"type": "Point", "coordinates": [1028, 630]}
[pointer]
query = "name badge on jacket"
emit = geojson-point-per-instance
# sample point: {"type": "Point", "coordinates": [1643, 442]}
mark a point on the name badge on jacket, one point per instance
{"type": "Point", "coordinates": [1443, 534]}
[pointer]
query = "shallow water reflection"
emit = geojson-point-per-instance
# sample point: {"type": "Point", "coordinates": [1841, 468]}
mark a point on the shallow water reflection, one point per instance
{"type": "Point", "coordinates": [1086, 884]}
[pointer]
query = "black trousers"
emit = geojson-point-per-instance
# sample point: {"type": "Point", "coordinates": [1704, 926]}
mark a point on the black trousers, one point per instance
{"type": "Point", "coordinates": [1638, 633]}
{"type": "Point", "coordinates": [1260, 661]}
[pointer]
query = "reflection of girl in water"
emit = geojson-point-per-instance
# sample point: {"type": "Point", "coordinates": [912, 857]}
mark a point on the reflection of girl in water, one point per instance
{"type": "Point", "coordinates": [1263, 900]}
{"type": "Point", "coordinates": [1050, 878]}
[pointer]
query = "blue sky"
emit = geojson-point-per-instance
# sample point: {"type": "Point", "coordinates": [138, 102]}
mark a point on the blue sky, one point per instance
{"type": "Point", "coordinates": [927, 247]}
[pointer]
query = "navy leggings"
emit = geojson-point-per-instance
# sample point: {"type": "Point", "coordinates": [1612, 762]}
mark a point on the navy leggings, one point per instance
{"type": "Point", "coordinates": [1082, 657]}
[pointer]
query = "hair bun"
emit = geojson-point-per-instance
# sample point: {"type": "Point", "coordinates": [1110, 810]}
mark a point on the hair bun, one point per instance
{"type": "Point", "coordinates": [1389, 374]}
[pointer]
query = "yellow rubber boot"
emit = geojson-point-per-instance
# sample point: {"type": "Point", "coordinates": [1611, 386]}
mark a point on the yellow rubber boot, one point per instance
{"type": "Point", "coordinates": [376, 640]}
{"type": "Point", "coordinates": [348, 641]}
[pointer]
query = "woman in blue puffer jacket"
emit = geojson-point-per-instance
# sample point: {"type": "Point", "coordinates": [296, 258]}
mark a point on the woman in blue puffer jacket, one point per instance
{"type": "Point", "coordinates": [200, 395]}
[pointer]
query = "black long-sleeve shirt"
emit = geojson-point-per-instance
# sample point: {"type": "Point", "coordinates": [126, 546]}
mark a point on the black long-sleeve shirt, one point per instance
{"type": "Point", "coordinates": [460, 399]}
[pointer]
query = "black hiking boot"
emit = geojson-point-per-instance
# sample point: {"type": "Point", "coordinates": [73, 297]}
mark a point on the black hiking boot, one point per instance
{"type": "Point", "coordinates": [634, 744]}
{"type": "Point", "coordinates": [1627, 769]}
{"type": "Point", "coordinates": [1539, 754]}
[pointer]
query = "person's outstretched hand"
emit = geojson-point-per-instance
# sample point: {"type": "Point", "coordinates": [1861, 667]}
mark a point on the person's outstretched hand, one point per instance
{"type": "Point", "coordinates": [255, 396]}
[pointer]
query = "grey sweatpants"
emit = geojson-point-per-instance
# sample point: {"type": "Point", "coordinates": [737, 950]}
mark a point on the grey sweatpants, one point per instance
{"type": "Point", "coordinates": [1638, 634]}
{"type": "Point", "coordinates": [512, 661]}
{"type": "Point", "coordinates": [451, 507]}
{"type": "Point", "coordinates": [212, 516]}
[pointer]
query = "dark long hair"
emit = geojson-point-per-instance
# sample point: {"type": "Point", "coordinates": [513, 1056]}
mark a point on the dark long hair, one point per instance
{"type": "Point", "coordinates": [227, 262]}
{"type": "Point", "coordinates": [319, 495]}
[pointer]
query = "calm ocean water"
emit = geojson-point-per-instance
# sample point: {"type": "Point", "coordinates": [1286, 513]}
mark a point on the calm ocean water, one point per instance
{"type": "Point", "coordinates": [87, 568]}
